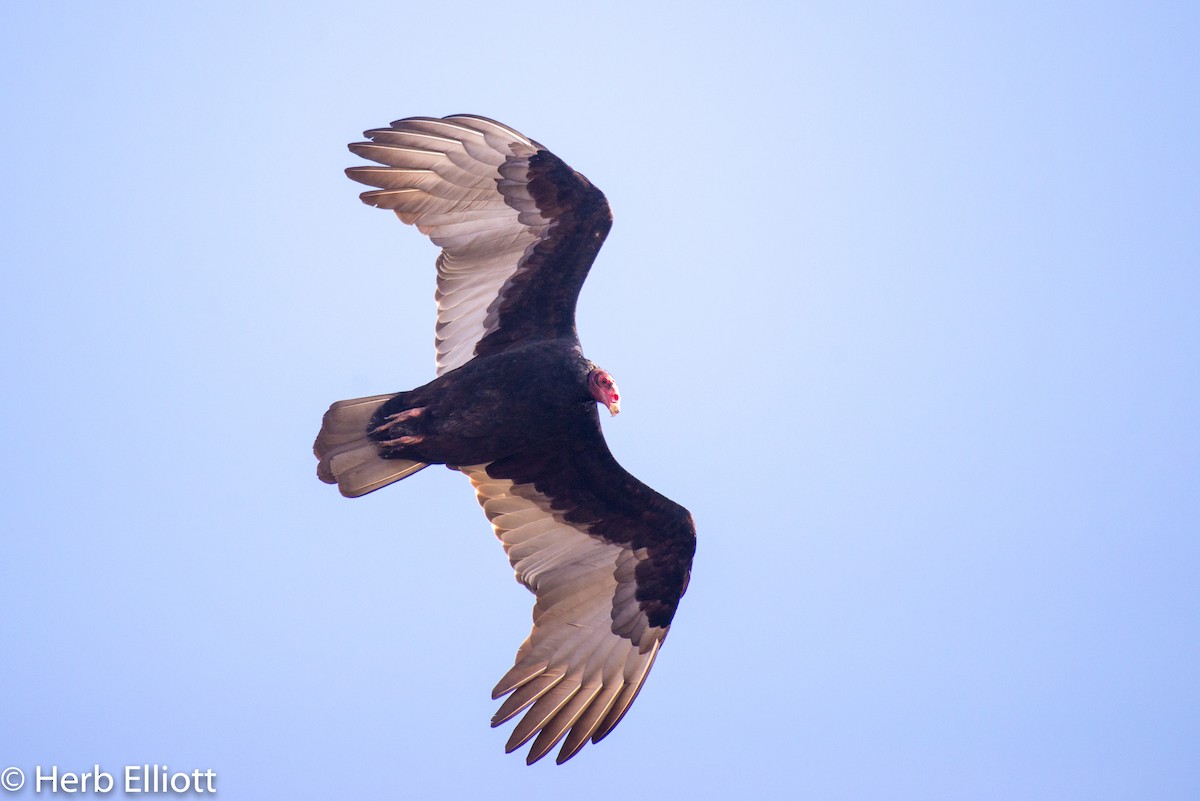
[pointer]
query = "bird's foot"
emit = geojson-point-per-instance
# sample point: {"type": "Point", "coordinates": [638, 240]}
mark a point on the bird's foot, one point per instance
{"type": "Point", "coordinates": [395, 427]}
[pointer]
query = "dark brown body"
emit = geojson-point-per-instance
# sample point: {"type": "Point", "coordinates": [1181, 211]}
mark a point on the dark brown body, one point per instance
{"type": "Point", "coordinates": [491, 407]}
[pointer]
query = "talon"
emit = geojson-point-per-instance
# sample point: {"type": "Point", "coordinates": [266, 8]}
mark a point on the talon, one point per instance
{"type": "Point", "coordinates": [400, 417]}
{"type": "Point", "coordinates": [387, 443]}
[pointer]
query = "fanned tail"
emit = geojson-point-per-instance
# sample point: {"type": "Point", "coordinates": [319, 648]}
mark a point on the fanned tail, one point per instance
{"type": "Point", "coordinates": [348, 457]}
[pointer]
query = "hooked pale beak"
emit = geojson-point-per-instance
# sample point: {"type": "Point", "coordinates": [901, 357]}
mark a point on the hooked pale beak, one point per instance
{"type": "Point", "coordinates": [610, 396]}
{"type": "Point", "coordinates": [604, 389]}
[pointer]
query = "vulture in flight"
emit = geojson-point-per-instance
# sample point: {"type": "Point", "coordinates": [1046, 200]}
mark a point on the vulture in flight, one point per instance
{"type": "Point", "coordinates": [513, 407]}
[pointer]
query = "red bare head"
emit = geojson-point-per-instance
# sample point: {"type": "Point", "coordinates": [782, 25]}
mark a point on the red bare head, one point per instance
{"type": "Point", "coordinates": [604, 389]}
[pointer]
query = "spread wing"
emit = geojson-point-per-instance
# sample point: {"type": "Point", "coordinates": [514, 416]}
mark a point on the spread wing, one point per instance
{"type": "Point", "coordinates": [518, 228]}
{"type": "Point", "coordinates": [608, 559]}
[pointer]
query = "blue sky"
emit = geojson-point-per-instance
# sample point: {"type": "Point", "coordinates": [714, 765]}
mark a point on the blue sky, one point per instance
{"type": "Point", "coordinates": [902, 303]}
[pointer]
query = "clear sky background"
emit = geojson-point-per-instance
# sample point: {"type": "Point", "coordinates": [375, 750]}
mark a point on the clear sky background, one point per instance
{"type": "Point", "coordinates": [903, 303]}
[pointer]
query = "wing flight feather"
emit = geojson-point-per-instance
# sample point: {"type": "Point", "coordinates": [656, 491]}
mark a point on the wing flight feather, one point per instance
{"type": "Point", "coordinates": [593, 639]}
{"type": "Point", "coordinates": [504, 210]}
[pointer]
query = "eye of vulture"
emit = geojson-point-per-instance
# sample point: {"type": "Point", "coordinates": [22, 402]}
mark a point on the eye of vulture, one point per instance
{"type": "Point", "coordinates": [514, 407]}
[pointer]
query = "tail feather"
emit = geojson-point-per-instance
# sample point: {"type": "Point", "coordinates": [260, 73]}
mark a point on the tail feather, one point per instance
{"type": "Point", "coordinates": [348, 457]}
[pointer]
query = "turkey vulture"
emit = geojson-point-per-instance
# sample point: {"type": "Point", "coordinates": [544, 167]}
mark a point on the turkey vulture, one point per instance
{"type": "Point", "coordinates": [514, 408]}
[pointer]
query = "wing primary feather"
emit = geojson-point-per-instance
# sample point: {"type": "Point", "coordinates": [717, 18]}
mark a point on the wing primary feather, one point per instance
{"type": "Point", "coordinates": [557, 727]}
{"type": "Point", "coordinates": [518, 675]}
{"type": "Point", "coordinates": [622, 703]}
{"type": "Point", "coordinates": [585, 726]}
{"type": "Point", "coordinates": [525, 695]}
{"type": "Point", "coordinates": [541, 713]}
